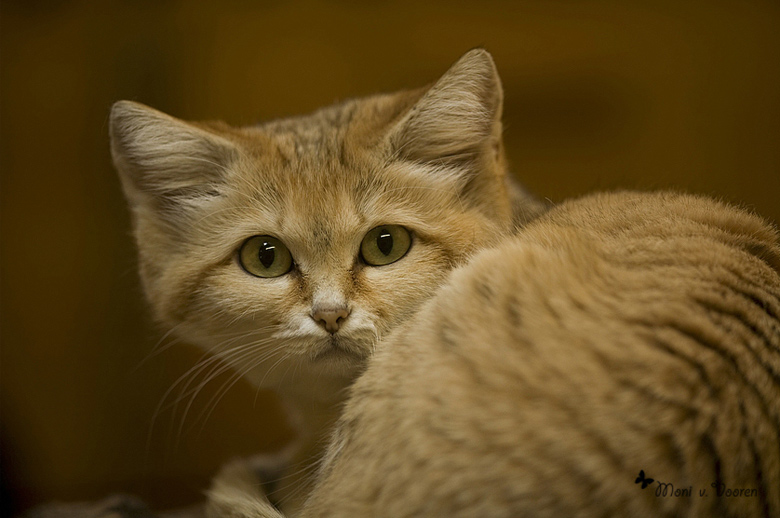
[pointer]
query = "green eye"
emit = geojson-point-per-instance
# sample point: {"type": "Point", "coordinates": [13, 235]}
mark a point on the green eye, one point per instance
{"type": "Point", "coordinates": [265, 256]}
{"type": "Point", "coordinates": [385, 244]}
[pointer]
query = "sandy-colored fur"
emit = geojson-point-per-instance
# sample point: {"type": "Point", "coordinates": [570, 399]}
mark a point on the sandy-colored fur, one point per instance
{"type": "Point", "coordinates": [430, 160]}
{"type": "Point", "coordinates": [617, 333]}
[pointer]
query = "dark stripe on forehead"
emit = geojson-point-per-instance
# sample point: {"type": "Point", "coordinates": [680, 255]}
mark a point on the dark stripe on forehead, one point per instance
{"type": "Point", "coordinates": [321, 232]}
{"type": "Point", "coordinates": [313, 136]}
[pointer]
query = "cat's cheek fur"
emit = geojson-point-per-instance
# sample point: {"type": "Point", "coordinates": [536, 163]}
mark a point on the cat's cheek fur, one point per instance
{"type": "Point", "coordinates": [394, 291]}
{"type": "Point", "coordinates": [229, 298]}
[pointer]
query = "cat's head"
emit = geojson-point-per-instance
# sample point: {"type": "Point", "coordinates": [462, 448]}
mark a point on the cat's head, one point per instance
{"type": "Point", "coordinates": [291, 246]}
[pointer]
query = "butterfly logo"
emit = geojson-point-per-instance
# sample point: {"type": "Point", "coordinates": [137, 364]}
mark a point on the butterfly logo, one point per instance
{"type": "Point", "coordinates": [642, 480]}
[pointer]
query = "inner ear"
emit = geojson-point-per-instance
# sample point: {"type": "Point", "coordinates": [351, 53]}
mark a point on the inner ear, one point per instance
{"type": "Point", "coordinates": [457, 119]}
{"type": "Point", "coordinates": [164, 161]}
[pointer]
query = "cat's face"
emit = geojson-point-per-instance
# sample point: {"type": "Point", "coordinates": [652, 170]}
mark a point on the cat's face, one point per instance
{"type": "Point", "coordinates": [291, 247]}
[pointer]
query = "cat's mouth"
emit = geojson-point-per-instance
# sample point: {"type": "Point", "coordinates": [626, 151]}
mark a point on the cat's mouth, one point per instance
{"type": "Point", "coordinates": [340, 349]}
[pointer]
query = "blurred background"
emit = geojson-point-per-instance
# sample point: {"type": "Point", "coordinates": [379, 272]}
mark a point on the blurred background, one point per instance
{"type": "Point", "coordinates": [599, 95]}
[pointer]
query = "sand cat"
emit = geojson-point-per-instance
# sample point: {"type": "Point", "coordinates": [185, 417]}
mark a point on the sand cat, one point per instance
{"type": "Point", "coordinates": [290, 248]}
{"type": "Point", "coordinates": [620, 356]}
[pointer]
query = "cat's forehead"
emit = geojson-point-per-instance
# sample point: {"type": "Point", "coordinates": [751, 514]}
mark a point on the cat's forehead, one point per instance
{"type": "Point", "coordinates": [316, 162]}
{"type": "Point", "coordinates": [324, 178]}
{"type": "Point", "coordinates": [323, 226]}
{"type": "Point", "coordinates": [317, 199]}
{"type": "Point", "coordinates": [324, 202]}
{"type": "Point", "coordinates": [332, 130]}
{"type": "Point", "coordinates": [313, 137]}
{"type": "Point", "coordinates": [311, 171]}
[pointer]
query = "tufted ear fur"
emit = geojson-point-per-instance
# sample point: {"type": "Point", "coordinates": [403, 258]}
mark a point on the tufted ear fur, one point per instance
{"type": "Point", "coordinates": [457, 119]}
{"type": "Point", "coordinates": [166, 165]}
{"type": "Point", "coordinates": [453, 132]}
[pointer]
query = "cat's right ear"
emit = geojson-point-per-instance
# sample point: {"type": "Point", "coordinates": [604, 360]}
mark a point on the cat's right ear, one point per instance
{"type": "Point", "coordinates": [167, 165]}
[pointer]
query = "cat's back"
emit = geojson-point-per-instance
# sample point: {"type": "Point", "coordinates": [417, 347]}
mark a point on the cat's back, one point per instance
{"type": "Point", "coordinates": [618, 333]}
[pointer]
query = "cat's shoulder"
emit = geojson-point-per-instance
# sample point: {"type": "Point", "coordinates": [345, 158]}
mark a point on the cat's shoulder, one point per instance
{"type": "Point", "coordinates": [557, 359]}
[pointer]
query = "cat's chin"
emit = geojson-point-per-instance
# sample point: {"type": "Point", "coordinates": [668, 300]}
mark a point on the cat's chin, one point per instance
{"type": "Point", "coordinates": [340, 352]}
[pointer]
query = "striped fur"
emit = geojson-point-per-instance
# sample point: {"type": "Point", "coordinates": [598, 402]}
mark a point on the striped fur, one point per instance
{"type": "Point", "coordinates": [618, 333]}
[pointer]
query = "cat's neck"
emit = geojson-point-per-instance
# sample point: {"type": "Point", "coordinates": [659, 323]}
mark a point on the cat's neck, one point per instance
{"type": "Point", "coordinates": [313, 404]}
{"type": "Point", "coordinates": [312, 410]}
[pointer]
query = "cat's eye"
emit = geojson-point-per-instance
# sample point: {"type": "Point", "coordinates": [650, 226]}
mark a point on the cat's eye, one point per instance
{"type": "Point", "coordinates": [265, 256]}
{"type": "Point", "coordinates": [385, 244]}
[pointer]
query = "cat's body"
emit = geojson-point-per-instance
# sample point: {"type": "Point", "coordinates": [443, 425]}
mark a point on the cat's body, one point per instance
{"type": "Point", "coordinates": [616, 334]}
{"type": "Point", "coordinates": [215, 206]}
{"type": "Point", "coordinates": [619, 340]}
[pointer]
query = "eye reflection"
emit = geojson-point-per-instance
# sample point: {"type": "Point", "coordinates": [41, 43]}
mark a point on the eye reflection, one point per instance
{"type": "Point", "coordinates": [385, 244]}
{"type": "Point", "coordinates": [265, 256]}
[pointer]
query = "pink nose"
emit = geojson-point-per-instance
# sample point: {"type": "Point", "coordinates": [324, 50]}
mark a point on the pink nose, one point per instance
{"type": "Point", "coordinates": [330, 317]}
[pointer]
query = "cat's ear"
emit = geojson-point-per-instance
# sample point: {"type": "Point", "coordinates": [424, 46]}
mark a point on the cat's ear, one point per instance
{"type": "Point", "coordinates": [166, 164]}
{"type": "Point", "coordinates": [458, 119]}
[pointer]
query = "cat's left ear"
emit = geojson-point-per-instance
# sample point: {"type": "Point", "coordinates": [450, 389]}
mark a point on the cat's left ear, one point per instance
{"type": "Point", "coordinates": [458, 120]}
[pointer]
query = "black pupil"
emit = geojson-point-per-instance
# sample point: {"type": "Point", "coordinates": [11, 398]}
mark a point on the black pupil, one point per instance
{"type": "Point", "coordinates": [267, 254]}
{"type": "Point", "coordinates": [384, 242]}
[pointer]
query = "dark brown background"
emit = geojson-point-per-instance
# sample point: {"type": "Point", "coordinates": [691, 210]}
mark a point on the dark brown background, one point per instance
{"type": "Point", "coordinates": [599, 95]}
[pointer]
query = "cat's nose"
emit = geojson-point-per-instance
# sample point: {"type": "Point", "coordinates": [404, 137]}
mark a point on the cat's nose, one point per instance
{"type": "Point", "coordinates": [330, 317]}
